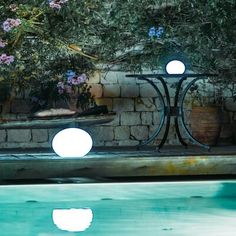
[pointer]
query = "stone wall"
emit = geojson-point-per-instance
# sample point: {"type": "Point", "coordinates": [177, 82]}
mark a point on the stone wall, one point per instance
{"type": "Point", "coordinates": [137, 115]}
{"type": "Point", "coordinates": [136, 105]}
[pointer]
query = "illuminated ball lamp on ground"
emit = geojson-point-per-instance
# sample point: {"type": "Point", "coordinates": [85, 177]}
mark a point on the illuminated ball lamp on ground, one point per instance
{"type": "Point", "coordinates": [72, 142]}
{"type": "Point", "coordinates": [175, 67]}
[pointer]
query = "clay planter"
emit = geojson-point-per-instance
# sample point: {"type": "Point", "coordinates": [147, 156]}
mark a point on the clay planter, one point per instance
{"type": "Point", "coordinates": [206, 124]}
{"type": "Point", "coordinates": [230, 106]}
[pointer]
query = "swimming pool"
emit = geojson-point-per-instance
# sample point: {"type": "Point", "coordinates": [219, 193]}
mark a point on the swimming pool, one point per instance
{"type": "Point", "coordinates": [125, 209]}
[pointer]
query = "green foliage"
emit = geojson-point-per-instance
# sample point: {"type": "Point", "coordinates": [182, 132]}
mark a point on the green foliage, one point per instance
{"type": "Point", "coordinates": [116, 32]}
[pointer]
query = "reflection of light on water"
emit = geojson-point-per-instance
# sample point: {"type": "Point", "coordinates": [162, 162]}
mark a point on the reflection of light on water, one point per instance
{"type": "Point", "coordinates": [72, 220]}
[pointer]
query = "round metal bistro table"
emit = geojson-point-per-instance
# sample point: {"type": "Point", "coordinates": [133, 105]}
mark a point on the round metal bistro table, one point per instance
{"type": "Point", "coordinates": [167, 109]}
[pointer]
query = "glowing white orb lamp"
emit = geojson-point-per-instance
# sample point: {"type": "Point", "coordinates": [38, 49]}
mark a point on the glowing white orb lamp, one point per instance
{"type": "Point", "coordinates": [72, 142]}
{"type": "Point", "coordinates": [72, 220]}
{"type": "Point", "coordinates": [175, 67]}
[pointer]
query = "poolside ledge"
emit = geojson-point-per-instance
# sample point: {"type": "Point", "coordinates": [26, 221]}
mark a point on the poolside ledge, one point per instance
{"type": "Point", "coordinates": [119, 163]}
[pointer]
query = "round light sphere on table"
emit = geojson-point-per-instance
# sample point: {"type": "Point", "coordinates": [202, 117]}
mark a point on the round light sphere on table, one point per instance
{"type": "Point", "coordinates": [175, 67]}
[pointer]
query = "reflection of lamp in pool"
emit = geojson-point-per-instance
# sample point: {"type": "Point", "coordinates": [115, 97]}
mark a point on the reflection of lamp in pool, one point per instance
{"type": "Point", "coordinates": [175, 67]}
{"type": "Point", "coordinates": [72, 220]}
{"type": "Point", "coordinates": [72, 142]}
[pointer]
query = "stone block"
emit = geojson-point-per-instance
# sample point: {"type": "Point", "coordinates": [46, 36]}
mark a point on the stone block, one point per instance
{"type": "Point", "coordinates": [52, 133]}
{"type": "Point", "coordinates": [22, 116]}
{"type": "Point", "coordinates": [140, 81]}
{"type": "Point", "coordinates": [122, 79]}
{"type": "Point", "coordinates": [110, 78]}
{"type": "Point", "coordinates": [147, 91]}
{"type": "Point", "coordinates": [139, 132]}
{"type": "Point", "coordinates": [156, 117]}
{"type": "Point", "coordinates": [129, 90]}
{"type": "Point", "coordinates": [144, 104]}
{"type": "Point", "coordinates": [111, 90]}
{"type": "Point", "coordinates": [146, 118]}
{"type": "Point", "coordinates": [98, 143]}
{"type": "Point", "coordinates": [19, 135]}
{"type": "Point", "coordinates": [122, 132]}
{"type": "Point", "coordinates": [127, 80]}
{"type": "Point", "coordinates": [100, 133]}
{"type": "Point", "coordinates": [128, 143]}
{"type": "Point", "coordinates": [153, 128]}
{"type": "Point", "coordinates": [105, 101]}
{"type": "Point", "coordinates": [123, 104]}
{"type": "Point", "coordinates": [158, 104]}
{"type": "Point", "coordinates": [130, 118]}
{"type": "Point", "coordinates": [3, 135]}
{"type": "Point", "coordinates": [95, 78]}
{"type": "Point", "coordinates": [39, 135]}
{"type": "Point", "coordinates": [9, 116]}
{"type": "Point", "coordinates": [25, 145]}
{"type": "Point", "coordinates": [115, 122]}
{"type": "Point", "coordinates": [20, 106]}
{"type": "Point", "coordinates": [171, 134]}
{"type": "Point", "coordinates": [96, 90]}
{"type": "Point", "coordinates": [111, 143]}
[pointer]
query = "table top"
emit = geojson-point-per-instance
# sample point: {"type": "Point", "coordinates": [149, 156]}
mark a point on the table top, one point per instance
{"type": "Point", "coordinates": [172, 75]}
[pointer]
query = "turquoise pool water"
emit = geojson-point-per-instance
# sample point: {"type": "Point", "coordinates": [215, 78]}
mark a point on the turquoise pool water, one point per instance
{"type": "Point", "coordinates": [108, 209]}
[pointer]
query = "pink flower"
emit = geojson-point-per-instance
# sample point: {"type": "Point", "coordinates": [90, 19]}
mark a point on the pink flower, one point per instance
{"type": "Point", "coordinates": [78, 79]}
{"type": "Point", "coordinates": [82, 78]}
{"type": "Point", "coordinates": [17, 22]}
{"type": "Point", "coordinates": [4, 59]}
{"type": "Point", "coordinates": [75, 81]}
{"type": "Point", "coordinates": [9, 23]}
{"type": "Point", "coordinates": [9, 60]}
{"type": "Point", "coordinates": [56, 4]}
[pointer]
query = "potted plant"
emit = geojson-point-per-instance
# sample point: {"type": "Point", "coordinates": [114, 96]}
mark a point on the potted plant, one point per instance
{"type": "Point", "coordinates": [72, 90]}
{"type": "Point", "coordinates": [208, 115]}
{"type": "Point", "coordinates": [230, 107]}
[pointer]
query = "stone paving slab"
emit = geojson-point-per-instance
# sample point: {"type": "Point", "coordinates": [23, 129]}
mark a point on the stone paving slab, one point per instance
{"type": "Point", "coordinates": [120, 152]}
{"type": "Point", "coordinates": [119, 163]}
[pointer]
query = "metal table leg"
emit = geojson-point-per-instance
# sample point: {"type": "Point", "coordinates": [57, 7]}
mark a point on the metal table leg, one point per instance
{"type": "Point", "coordinates": [177, 96]}
{"type": "Point", "coordinates": [163, 112]}
{"type": "Point", "coordinates": [167, 114]}
{"type": "Point", "coordinates": [182, 119]}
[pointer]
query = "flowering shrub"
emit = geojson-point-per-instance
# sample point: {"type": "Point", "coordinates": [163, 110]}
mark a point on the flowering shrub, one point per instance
{"type": "Point", "coordinates": [36, 34]}
{"type": "Point", "coordinates": [30, 57]}
{"type": "Point", "coordinates": [69, 87]}
{"type": "Point", "coordinates": [75, 87]}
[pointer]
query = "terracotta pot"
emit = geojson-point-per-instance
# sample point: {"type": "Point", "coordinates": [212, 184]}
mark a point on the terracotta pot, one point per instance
{"type": "Point", "coordinates": [206, 124]}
